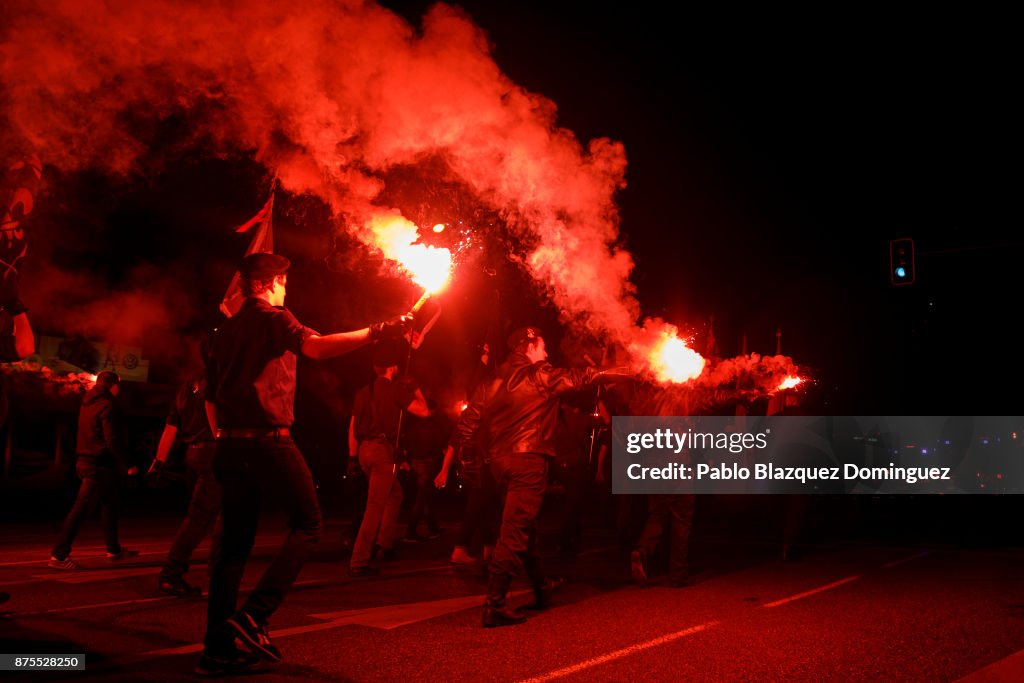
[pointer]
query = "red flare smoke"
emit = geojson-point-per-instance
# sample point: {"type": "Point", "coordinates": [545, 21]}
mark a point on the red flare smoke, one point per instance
{"type": "Point", "coordinates": [331, 96]}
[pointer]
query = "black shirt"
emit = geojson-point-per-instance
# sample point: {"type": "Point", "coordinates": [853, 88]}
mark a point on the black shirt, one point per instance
{"type": "Point", "coordinates": [188, 413]}
{"type": "Point", "coordinates": [377, 407]}
{"type": "Point", "coordinates": [250, 376]}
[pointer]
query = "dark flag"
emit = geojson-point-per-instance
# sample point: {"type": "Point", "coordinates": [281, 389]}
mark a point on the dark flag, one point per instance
{"type": "Point", "coordinates": [20, 183]}
{"type": "Point", "coordinates": [262, 242]}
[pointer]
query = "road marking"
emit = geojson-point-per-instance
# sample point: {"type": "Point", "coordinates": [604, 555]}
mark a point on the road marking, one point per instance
{"type": "Point", "coordinates": [91, 576]}
{"type": "Point", "coordinates": [897, 563]}
{"type": "Point", "coordinates": [98, 551]}
{"type": "Point", "coordinates": [1004, 671]}
{"type": "Point", "coordinates": [813, 591]}
{"type": "Point", "coordinates": [618, 654]}
{"type": "Point", "coordinates": [95, 606]}
{"type": "Point", "coordinates": [386, 617]}
{"type": "Point", "coordinates": [160, 549]}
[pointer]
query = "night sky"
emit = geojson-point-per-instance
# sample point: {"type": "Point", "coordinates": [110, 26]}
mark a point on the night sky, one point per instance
{"type": "Point", "coordinates": [771, 159]}
{"type": "Point", "coordinates": [773, 156]}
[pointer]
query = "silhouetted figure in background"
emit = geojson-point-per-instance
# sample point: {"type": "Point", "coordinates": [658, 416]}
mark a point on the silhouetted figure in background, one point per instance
{"type": "Point", "coordinates": [424, 440]}
{"type": "Point", "coordinates": [374, 430]}
{"type": "Point", "coordinates": [102, 465]}
{"type": "Point", "coordinates": [187, 423]}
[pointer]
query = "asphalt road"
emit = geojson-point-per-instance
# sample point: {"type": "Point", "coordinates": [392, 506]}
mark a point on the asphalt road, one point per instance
{"type": "Point", "coordinates": [848, 610]}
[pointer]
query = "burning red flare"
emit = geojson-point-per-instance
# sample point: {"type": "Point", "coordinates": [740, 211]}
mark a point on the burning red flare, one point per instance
{"type": "Point", "coordinates": [429, 267]}
{"type": "Point", "coordinates": [672, 360]}
{"type": "Point", "coordinates": [790, 382]}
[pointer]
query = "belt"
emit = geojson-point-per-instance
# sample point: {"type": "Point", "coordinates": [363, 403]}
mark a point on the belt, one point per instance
{"type": "Point", "coordinates": [281, 432]}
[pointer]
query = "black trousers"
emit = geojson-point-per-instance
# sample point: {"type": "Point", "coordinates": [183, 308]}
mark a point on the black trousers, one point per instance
{"type": "Point", "coordinates": [483, 511]}
{"type": "Point", "coordinates": [101, 485]}
{"type": "Point", "coordinates": [425, 471]}
{"type": "Point", "coordinates": [576, 479]}
{"type": "Point", "coordinates": [250, 470]}
{"type": "Point", "coordinates": [672, 514]}
{"type": "Point", "coordinates": [522, 479]}
{"type": "Point", "coordinates": [203, 511]}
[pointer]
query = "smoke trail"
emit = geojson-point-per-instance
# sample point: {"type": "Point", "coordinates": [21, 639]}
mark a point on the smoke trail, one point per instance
{"type": "Point", "coordinates": [330, 95]}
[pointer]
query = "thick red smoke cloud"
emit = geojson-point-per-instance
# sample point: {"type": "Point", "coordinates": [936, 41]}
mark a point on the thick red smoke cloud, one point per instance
{"type": "Point", "coordinates": [330, 96]}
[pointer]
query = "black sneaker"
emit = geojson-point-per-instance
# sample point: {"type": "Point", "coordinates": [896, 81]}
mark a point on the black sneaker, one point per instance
{"type": "Point", "coordinates": [179, 587]}
{"type": "Point", "coordinates": [254, 636]}
{"type": "Point", "coordinates": [412, 538]}
{"type": "Point", "coordinates": [436, 532]}
{"type": "Point", "coordinates": [236, 662]}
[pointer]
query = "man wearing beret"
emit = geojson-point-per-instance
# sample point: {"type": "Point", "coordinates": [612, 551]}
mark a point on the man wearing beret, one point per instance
{"type": "Point", "coordinates": [250, 396]}
{"type": "Point", "coordinates": [518, 411]}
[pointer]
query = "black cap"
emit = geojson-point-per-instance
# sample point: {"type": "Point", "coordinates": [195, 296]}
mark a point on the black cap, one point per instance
{"type": "Point", "coordinates": [262, 266]}
{"type": "Point", "coordinates": [523, 335]}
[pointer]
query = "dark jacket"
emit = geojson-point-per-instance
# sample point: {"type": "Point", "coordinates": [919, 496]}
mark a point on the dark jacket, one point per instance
{"type": "Point", "coordinates": [99, 425]}
{"type": "Point", "coordinates": [518, 408]}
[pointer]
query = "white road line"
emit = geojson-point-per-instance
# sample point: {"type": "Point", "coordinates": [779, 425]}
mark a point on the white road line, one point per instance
{"type": "Point", "coordinates": [813, 591]}
{"type": "Point", "coordinates": [95, 606]}
{"type": "Point", "coordinates": [382, 617]}
{"type": "Point", "coordinates": [618, 654]}
{"type": "Point", "coordinates": [98, 551]}
{"type": "Point", "coordinates": [897, 563]}
{"type": "Point", "coordinates": [1004, 671]}
{"type": "Point", "coordinates": [160, 549]}
{"type": "Point", "coordinates": [73, 576]}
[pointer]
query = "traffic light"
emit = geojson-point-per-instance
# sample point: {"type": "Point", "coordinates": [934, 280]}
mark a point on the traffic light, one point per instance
{"type": "Point", "coordinates": [901, 261]}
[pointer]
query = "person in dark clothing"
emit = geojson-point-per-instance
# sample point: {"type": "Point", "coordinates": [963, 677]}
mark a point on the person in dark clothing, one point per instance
{"type": "Point", "coordinates": [250, 397]}
{"type": "Point", "coordinates": [424, 440]}
{"type": "Point", "coordinates": [518, 410]}
{"type": "Point", "coordinates": [482, 516]}
{"type": "Point", "coordinates": [573, 463]}
{"type": "Point", "coordinates": [373, 432]}
{"type": "Point", "coordinates": [16, 337]}
{"type": "Point", "coordinates": [668, 515]}
{"type": "Point", "coordinates": [102, 464]}
{"type": "Point", "coordinates": [187, 423]}
{"type": "Point", "coordinates": [672, 514]}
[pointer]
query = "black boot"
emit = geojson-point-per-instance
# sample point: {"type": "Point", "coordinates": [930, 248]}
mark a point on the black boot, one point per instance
{"type": "Point", "coordinates": [543, 587]}
{"type": "Point", "coordinates": [496, 612]}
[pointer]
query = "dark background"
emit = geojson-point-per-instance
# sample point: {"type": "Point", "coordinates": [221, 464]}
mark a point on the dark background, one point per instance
{"type": "Point", "coordinates": [772, 158]}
